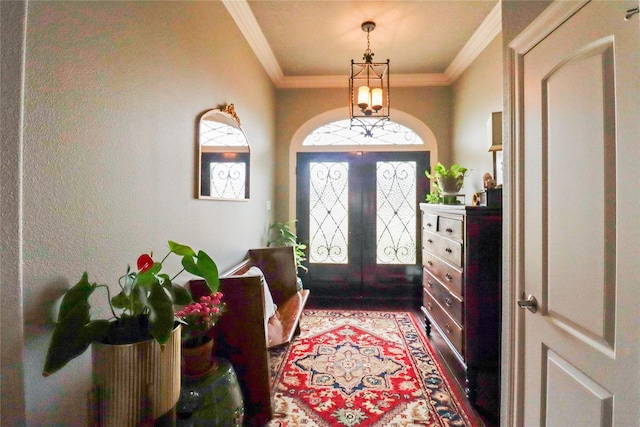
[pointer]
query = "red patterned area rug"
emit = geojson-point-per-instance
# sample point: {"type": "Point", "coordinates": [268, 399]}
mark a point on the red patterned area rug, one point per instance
{"type": "Point", "coordinates": [360, 369]}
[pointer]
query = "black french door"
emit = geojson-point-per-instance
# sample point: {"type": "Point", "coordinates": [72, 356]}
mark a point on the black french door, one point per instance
{"type": "Point", "coordinates": [358, 214]}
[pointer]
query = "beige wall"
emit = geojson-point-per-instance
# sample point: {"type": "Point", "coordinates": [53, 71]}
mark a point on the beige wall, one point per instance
{"type": "Point", "coordinates": [431, 105]}
{"type": "Point", "coordinates": [111, 97]}
{"type": "Point", "coordinates": [12, 411]}
{"type": "Point", "coordinates": [476, 94]}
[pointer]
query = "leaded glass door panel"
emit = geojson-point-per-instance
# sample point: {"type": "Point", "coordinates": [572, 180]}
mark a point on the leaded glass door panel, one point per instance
{"type": "Point", "coordinates": [358, 215]}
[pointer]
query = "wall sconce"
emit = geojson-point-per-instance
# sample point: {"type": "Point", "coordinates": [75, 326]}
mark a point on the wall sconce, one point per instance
{"type": "Point", "coordinates": [369, 104]}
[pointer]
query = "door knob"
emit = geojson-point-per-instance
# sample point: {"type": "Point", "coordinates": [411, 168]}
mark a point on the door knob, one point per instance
{"type": "Point", "coordinates": [530, 303]}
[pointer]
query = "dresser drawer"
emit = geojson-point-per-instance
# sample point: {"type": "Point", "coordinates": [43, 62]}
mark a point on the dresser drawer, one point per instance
{"type": "Point", "coordinates": [448, 301]}
{"type": "Point", "coordinates": [446, 249]}
{"type": "Point", "coordinates": [450, 227]}
{"type": "Point", "coordinates": [430, 222]}
{"type": "Point", "coordinates": [447, 326]}
{"type": "Point", "coordinates": [451, 277]}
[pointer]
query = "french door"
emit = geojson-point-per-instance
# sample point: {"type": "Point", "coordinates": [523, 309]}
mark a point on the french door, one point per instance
{"type": "Point", "coordinates": [358, 214]}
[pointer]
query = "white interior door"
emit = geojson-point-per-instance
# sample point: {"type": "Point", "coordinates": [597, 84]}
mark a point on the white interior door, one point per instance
{"type": "Point", "coordinates": [580, 221]}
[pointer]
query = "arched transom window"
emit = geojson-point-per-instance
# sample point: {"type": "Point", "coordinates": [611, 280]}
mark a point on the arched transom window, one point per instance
{"type": "Point", "coordinates": [339, 133]}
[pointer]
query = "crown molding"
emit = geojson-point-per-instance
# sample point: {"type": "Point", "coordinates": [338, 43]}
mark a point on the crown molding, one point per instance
{"type": "Point", "coordinates": [248, 25]}
{"type": "Point", "coordinates": [550, 18]}
{"type": "Point", "coordinates": [396, 80]}
{"type": "Point", "coordinates": [486, 32]}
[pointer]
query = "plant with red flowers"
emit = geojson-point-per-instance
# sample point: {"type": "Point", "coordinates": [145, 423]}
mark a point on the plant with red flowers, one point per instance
{"type": "Point", "coordinates": [199, 317]}
{"type": "Point", "coordinates": [142, 310]}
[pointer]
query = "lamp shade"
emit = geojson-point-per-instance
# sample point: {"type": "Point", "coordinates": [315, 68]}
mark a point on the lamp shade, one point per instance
{"type": "Point", "coordinates": [494, 131]}
{"type": "Point", "coordinates": [363, 97]}
{"type": "Point", "coordinates": [376, 99]}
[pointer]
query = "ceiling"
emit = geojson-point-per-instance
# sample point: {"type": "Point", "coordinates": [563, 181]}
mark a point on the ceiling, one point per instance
{"type": "Point", "coordinates": [310, 43]}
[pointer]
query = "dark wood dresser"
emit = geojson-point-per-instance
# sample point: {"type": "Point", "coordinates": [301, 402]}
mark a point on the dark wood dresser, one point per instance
{"type": "Point", "coordinates": [461, 258]}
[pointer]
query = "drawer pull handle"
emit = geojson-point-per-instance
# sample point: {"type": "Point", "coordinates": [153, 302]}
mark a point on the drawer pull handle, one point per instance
{"type": "Point", "coordinates": [449, 230]}
{"type": "Point", "coordinates": [429, 225]}
{"type": "Point", "coordinates": [429, 306]}
{"type": "Point", "coordinates": [448, 302]}
{"type": "Point", "coordinates": [448, 250]}
{"type": "Point", "coordinates": [448, 329]}
{"type": "Point", "coordinates": [429, 241]}
{"type": "Point", "coordinates": [429, 284]}
{"type": "Point", "coordinates": [448, 277]}
{"type": "Point", "coordinates": [430, 263]}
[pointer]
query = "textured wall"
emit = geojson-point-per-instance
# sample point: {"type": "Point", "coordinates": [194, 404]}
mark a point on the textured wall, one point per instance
{"type": "Point", "coordinates": [476, 94]}
{"type": "Point", "coordinates": [12, 17]}
{"type": "Point", "coordinates": [112, 95]}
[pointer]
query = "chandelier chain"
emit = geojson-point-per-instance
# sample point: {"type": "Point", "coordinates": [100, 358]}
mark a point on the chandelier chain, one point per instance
{"type": "Point", "coordinates": [368, 55]}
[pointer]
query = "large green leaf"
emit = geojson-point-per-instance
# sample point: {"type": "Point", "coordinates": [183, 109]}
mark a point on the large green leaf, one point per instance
{"type": "Point", "coordinates": [121, 300]}
{"type": "Point", "coordinates": [68, 340]}
{"type": "Point", "coordinates": [160, 314]}
{"type": "Point", "coordinates": [181, 250]}
{"type": "Point", "coordinates": [209, 271]}
{"type": "Point", "coordinates": [165, 282]}
{"type": "Point", "coordinates": [178, 294]}
{"type": "Point", "coordinates": [182, 296]}
{"type": "Point", "coordinates": [203, 267]}
{"type": "Point", "coordinates": [78, 294]}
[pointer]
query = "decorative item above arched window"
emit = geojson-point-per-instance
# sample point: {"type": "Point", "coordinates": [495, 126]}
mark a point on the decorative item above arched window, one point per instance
{"type": "Point", "coordinates": [223, 156]}
{"type": "Point", "coordinates": [340, 133]}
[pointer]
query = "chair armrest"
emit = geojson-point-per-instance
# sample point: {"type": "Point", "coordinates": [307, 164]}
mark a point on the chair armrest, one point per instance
{"type": "Point", "coordinates": [287, 323]}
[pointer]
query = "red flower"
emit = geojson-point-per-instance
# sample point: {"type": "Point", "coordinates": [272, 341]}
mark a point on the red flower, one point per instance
{"type": "Point", "coordinates": [144, 263]}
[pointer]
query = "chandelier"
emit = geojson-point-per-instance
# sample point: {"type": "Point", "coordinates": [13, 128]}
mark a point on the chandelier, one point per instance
{"type": "Point", "coordinates": [369, 89]}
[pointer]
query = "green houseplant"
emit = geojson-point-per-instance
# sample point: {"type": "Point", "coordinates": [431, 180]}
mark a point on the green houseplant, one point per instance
{"type": "Point", "coordinates": [142, 310]}
{"type": "Point", "coordinates": [448, 182]}
{"type": "Point", "coordinates": [280, 234]}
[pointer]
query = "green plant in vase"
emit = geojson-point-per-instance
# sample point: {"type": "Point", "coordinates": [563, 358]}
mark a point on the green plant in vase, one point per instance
{"type": "Point", "coordinates": [142, 310]}
{"type": "Point", "coordinates": [448, 182]}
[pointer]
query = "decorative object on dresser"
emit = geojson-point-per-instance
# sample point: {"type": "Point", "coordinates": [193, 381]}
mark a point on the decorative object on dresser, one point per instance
{"type": "Point", "coordinates": [491, 195]}
{"type": "Point", "coordinates": [447, 184]}
{"type": "Point", "coordinates": [462, 249]}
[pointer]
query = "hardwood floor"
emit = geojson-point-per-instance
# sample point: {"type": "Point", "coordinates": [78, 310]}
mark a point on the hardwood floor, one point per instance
{"type": "Point", "coordinates": [486, 409]}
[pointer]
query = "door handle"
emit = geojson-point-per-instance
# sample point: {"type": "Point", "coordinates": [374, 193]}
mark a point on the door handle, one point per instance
{"type": "Point", "coordinates": [531, 303]}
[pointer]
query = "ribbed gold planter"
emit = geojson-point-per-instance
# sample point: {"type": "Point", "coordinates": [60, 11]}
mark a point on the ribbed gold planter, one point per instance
{"type": "Point", "coordinates": [134, 384]}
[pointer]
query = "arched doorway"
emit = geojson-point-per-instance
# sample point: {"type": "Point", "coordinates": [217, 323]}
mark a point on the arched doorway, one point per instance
{"type": "Point", "coordinates": [357, 206]}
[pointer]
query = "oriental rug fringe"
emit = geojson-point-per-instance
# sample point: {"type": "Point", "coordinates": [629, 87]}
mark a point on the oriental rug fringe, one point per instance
{"type": "Point", "coordinates": [362, 369]}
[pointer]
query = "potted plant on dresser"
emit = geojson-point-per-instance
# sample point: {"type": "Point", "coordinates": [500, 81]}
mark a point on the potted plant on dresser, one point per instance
{"type": "Point", "coordinates": [136, 351]}
{"type": "Point", "coordinates": [448, 182]}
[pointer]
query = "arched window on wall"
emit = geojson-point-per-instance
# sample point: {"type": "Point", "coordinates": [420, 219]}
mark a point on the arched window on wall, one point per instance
{"type": "Point", "coordinates": [339, 133]}
{"type": "Point", "coordinates": [357, 208]}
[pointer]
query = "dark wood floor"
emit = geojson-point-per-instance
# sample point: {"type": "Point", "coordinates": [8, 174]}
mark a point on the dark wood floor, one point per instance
{"type": "Point", "coordinates": [487, 411]}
